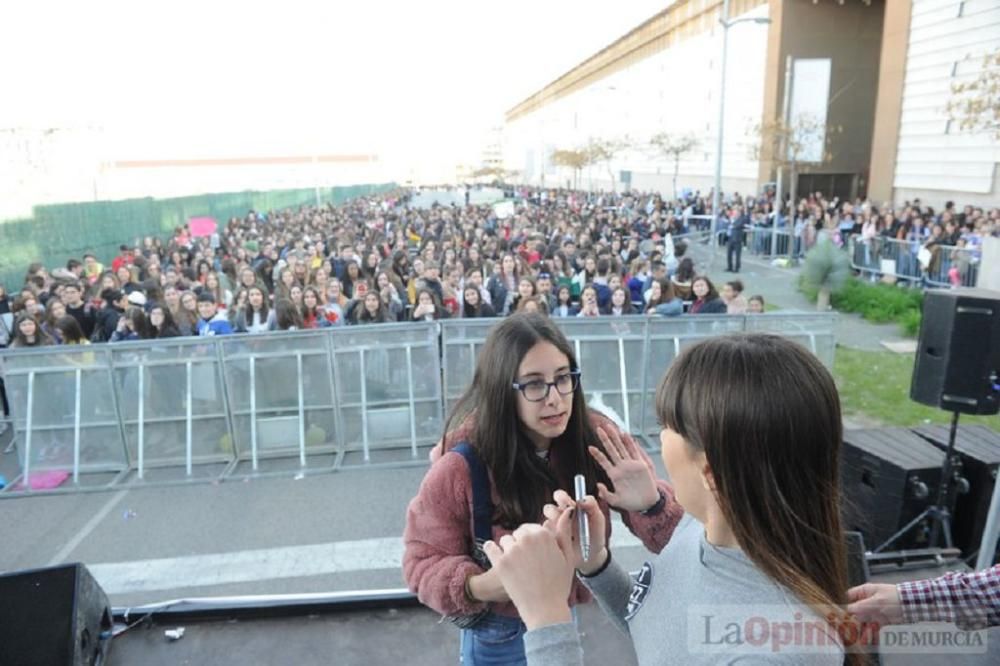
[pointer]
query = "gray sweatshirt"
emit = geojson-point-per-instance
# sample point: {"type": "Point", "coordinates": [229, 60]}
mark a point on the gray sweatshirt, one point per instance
{"type": "Point", "coordinates": [696, 603]}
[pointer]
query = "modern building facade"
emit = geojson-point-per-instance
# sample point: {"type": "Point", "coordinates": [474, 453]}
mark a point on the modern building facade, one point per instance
{"type": "Point", "coordinates": [877, 74]}
{"type": "Point", "coordinates": [918, 152]}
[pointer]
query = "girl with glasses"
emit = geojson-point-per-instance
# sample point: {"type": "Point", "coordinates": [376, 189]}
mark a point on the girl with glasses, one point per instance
{"type": "Point", "coordinates": [760, 540]}
{"type": "Point", "coordinates": [525, 420]}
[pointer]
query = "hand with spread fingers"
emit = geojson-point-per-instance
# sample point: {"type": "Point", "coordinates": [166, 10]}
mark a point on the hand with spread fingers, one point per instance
{"type": "Point", "coordinates": [630, 472]}
{"type": "Point", "coordinates": [560, 519]}
{"type": "Point", "coordinates": [536, 569]}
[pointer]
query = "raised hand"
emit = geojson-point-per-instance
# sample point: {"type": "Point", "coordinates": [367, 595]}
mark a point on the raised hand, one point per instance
{"type": "Point", "coordinates": [630, 472]}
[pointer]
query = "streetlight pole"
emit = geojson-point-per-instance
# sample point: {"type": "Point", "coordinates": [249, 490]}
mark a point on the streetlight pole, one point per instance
{"type": "Point", "coordinates": [717, 189]}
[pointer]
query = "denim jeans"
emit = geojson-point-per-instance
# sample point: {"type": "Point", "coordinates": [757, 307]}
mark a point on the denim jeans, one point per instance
{"type": "Point", "coordinates": [496, 639]}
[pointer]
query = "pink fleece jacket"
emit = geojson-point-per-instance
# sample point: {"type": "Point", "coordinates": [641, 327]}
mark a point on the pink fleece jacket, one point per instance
{"type": "Point", "coordinates": [438, 531]}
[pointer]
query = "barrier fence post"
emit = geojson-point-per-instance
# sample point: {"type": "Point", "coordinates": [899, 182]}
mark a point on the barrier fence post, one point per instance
{"type": "Point", "coordinates": [338, 421]}
{"type": "Point", "coordinates": [646, 352]}
{"type": "Point", "coordinates": [253, 413]}
{"type": "Point", "coordinates": [141, 433]}
{"type": "Point", "coordinates": [364, 405]}
{"type": "Point", "coordinates": [28, 427]}
{"type": "Point", "coordinates": [116, 401]}
{"type": "Point", "coordinates": [302, 410]}
{"type": "Point", "coordinates": [472, 365]}
{"type": "Point", "coordinates": [227, 407]}
{"type": "Point", "coordinates": [622, 375]}
{"type": "Point", "coordinates": [413, 407]}
{"type": "Point", "coordinates": [188, 415]}
{"type": "Point", "coordinates": [76, 426]}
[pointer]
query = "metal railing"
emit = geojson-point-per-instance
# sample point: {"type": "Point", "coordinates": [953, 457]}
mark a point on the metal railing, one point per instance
{"type": "Point", "coordinates": [759, 240]}
{"type": "Point", "coordinates": [770, 241]}
{"type": "Point", "coordinates": [939, 266]}
{"type": "Point", "coordinates": [623, 358]}
{"type": "Point", "coordinates": [184, 409]}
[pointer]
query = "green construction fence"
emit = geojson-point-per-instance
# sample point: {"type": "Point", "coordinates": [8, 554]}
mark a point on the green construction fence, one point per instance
{"type": "Point", "coordinates": [58, 232]}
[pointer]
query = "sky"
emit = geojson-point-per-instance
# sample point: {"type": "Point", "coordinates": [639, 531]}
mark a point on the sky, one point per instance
{"type": "Point", "coordinates": [410, 81]}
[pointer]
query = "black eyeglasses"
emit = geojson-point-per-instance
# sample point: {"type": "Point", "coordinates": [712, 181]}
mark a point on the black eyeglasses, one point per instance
{"type": "Point", "coordinates": [537, 390]}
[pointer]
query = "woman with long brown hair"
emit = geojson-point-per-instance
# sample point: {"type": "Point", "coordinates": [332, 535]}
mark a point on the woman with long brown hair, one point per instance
{"type": "Point", "coordinates": [524, 423]}
{"type": "Point", "coordinates": [761, 542]}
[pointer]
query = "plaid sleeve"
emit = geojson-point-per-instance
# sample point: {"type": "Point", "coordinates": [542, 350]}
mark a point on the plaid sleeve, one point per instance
{"type": "Point", "coordinates": [970, 600]}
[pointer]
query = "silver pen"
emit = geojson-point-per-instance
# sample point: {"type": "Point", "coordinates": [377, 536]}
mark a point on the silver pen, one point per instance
{"type": "Point", "coordinates": [580, 491]}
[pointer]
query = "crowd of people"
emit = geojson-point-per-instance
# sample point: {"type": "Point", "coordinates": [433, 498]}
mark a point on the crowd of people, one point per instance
{"type": "Point", "coordinates": [924, 245]}
{"type": "Point", "coordinates": [376, 260]}
{"type": "Point", "coordinates": [379, 259]}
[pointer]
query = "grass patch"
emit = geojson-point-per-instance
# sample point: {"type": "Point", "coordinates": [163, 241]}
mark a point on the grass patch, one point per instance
{"type": "Point", "coordinates": [878, 302]}
{"type": "Point", "coordinates": [876, 385]}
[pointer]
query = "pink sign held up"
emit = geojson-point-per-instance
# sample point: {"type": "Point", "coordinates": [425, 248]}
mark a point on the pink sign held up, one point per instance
{"type": "Point", "coordinates": [202, 226]}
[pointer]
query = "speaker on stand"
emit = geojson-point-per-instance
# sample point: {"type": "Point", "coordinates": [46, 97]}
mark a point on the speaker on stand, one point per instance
{"type": "Point", "coordinates": [957, 368]}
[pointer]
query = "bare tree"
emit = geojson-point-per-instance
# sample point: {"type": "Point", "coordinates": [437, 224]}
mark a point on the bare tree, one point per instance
{"type": "Point", "coordinates": [792, 146]}
{"type": "Point", "coordinates": [975, 105]}
{"type": "Point", "coordinates": [574, 159]}
{"type": "Point", "coordinates": [673, 147]}
{"type": "Point", "coordinates": [604, 151]}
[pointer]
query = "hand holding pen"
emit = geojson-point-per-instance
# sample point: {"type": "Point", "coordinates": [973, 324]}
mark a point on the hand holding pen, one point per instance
{"type": "Point", "coordinates": [579, 493]}
{"type": "Point", "coordinates": [562, 518]}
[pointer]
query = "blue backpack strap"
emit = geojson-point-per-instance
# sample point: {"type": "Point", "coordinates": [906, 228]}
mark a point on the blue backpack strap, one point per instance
{"type": "Point", "coordinates": [482, 504]}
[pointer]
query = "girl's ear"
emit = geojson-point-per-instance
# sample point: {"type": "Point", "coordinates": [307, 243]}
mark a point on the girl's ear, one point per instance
{"type": "Point", "coordinates": [707, 478]}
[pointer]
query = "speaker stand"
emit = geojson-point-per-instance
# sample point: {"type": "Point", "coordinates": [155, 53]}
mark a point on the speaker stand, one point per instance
{"type": "Point", "coordinates": [938, 513]}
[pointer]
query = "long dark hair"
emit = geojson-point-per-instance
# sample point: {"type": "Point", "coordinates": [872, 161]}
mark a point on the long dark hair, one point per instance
{"type": "Point", "coordinates": [169, 328]}
{"type": "Point", "coordinates": [136, 315]}
{"type": "Point", "coordinates": [469, 310]}
{"type": "Point", "coordinates": [362, 316]}
{"type": "Point", "coordinates": [18, 339]}
{"type": "Point", "coordinates": [786, 517]}
{"type": "Point", "coordinates": [666, 293]}
{"type": "Point", "coordinates": [69, 330]}
{"type": "Point", "coordinates": [627, 308]}
{"type": "Point", "coordinates": [286, 315]}
{"type": "Point", "coordinates": [685, 270]}
{"type": "Point", "coordinates": [712, 292]}
{"type": "Point", "coordinates": [248, 308]}
{"type": "Point", "coordinates": [523, 481]}
{"type": "Point", "coordinates": [439, 311]}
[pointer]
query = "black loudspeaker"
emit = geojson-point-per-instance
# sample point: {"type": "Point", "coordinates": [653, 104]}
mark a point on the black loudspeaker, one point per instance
{"type": "Point", "coordinates": [978, 450]}
{"type": "Point", "coordinates": [958, 354]}
{"type": "Point", "coordinates": [888, 476]}
{"type": "Point", "coordinates": [57, 617]}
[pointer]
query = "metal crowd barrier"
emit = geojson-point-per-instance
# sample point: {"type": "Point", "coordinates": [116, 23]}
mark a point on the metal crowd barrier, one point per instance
{"type": "Point", "coordinates": [623, 358]}
{"type": "Point", "coordinates": [178, 410]}
{"type": "Point", "coordinates": [901, 259]}
{"type": "Point", "coordinates": [184, 409]}
{"type": "Point", "coordinates": [769, 241]}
